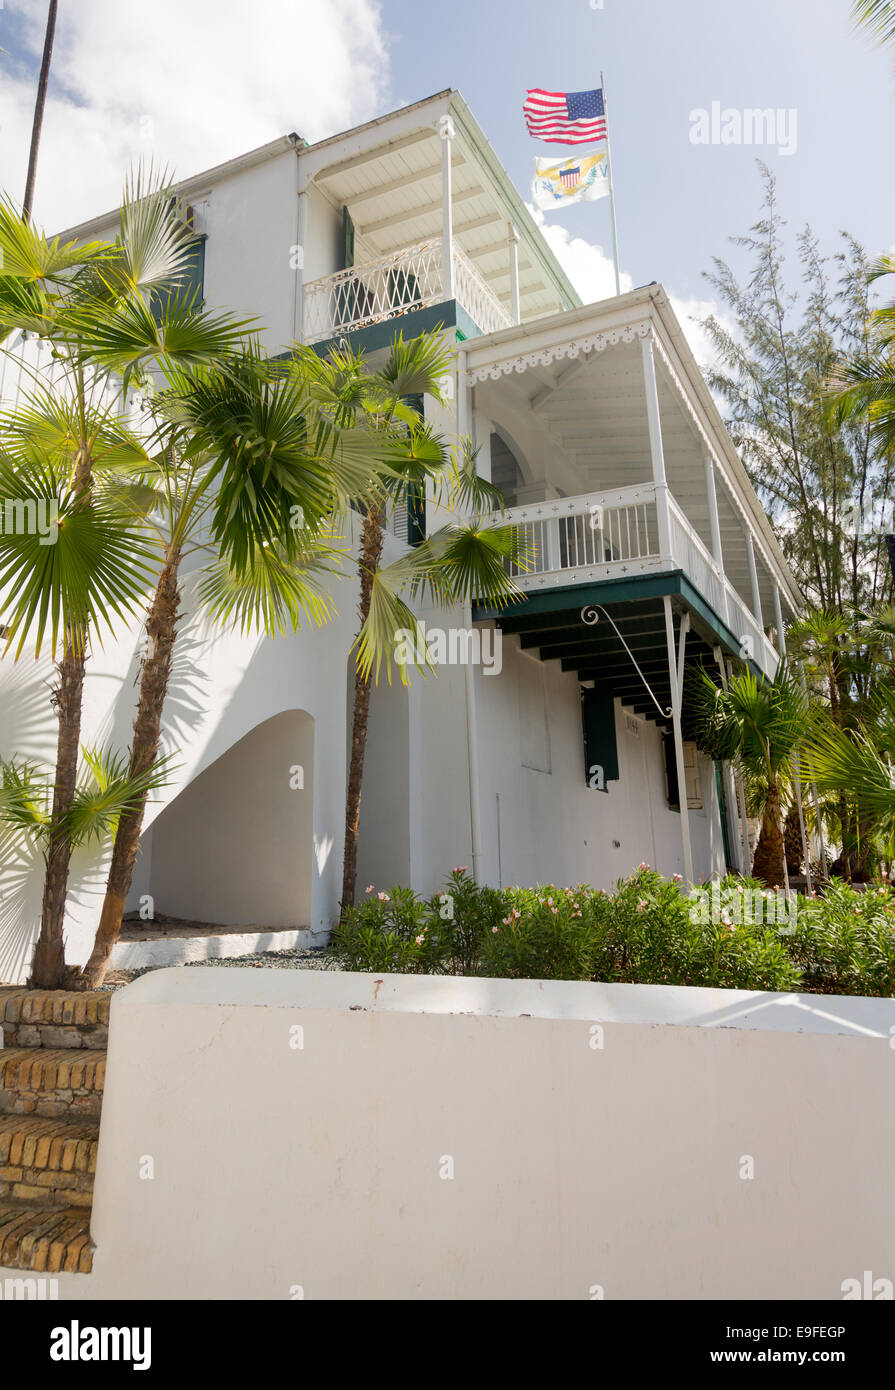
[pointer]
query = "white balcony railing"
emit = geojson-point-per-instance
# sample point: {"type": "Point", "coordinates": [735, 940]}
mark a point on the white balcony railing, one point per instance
{"type": "Point", "coordinates": [394, 285]}
{"type": "Point", "coordinates": [615, 535]}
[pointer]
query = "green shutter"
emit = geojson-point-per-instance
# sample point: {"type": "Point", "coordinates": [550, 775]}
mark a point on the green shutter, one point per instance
{"type": "Point", "coordinates": [416, 492]}
{"type": "Point", "coordinates": [671, 782]}
{"type": "Point", "coordinates": [600, 743]}
{"type": "Point", "coordinates": [347, 240]}
{"type": "Point", "coordinates": [190, 288]}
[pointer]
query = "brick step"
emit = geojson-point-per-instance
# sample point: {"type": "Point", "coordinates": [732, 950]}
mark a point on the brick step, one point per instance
{"type": "Point", "coordinates": [50, 1241]}
{"type": "Point", "coordinates": [54, 1018]}
{"type": "Point", "coordinates": [59, 1083]}
{"type": "Point", "coordinates": [47, 1163]}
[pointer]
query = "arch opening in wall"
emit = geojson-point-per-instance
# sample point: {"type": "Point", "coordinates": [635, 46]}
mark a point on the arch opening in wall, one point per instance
{"type": "Point", "coordinates": [236, 846]}
{"type": "Point", "coordinates": [508, 471]}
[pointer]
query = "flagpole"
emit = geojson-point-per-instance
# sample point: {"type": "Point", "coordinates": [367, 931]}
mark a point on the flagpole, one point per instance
{"type": "Point", "coordinates": [618, 286]}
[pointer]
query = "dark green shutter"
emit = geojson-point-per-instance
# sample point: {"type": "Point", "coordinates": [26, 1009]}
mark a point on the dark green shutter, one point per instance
{"type": "Point", "coordinates": [671, 782]}
{"type": "Point", "coordinates": [600, 743]}
{"type": "Point", "coordinates": [416, 492]}
{"type": "Point", "coordinates": [190, 288]}
{"type": "Point", "coordinates": [347, 240]}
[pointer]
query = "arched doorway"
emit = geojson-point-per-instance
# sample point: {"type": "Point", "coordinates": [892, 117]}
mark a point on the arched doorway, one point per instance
{"type": "Point", "coordinates": [235, 848]}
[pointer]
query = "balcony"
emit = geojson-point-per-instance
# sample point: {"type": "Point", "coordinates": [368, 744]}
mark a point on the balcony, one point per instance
{"type": "Point", "coordinates": [616, 535]}
{"type": "Point", "coordinates": [395, 285]}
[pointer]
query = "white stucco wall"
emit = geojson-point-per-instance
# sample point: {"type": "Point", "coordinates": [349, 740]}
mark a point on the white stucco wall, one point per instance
{"type": "Point", "coordinates": [541, 826]}
{"type": "Point", "coordinates": [236, 846]}
{"type": "Point", "coordinates": [448, 1138]}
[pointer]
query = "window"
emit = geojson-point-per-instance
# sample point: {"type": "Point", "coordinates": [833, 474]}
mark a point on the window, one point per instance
{"type": "Point", "coordinates": [692, 775]}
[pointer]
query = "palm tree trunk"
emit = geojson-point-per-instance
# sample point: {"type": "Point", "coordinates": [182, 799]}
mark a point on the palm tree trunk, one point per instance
{"type": "Point", "coordinates": [767, 863]}
{"type": "Point", "coordinates": [48, 970]}
{"type": "Point", "coordinates": [39, 106]}
{"type": "Point", "coordinates": [161, 632]}
{"type": "Point", "coordinates": [371, 554]}
{"type": "Point", "coordinates": [48, 963]}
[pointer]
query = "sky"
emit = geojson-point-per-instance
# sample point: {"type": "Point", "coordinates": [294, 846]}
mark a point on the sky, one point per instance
{"type": "Point", "coordinates": [190, 83]}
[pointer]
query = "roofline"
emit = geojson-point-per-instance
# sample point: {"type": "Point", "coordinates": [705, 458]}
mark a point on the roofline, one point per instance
{"type": "Point", "coordinates": [698, 384]}
{"type": "Point", "coordinates": [196, 182]}
{"type": "Point", "coordinates": [471, 129]}
{"type": "Point", "coordinates": [448, 93]}
{"type": "Point", "coordinates": [526, 224]}
{"type": "Point", "coordinates": [653, 298]}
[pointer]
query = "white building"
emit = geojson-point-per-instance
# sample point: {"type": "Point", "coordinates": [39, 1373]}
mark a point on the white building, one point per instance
{"type": "Point", "coordinates": [653, 553]}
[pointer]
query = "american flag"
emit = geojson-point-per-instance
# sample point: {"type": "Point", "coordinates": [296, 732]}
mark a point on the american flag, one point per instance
{"type": "Point", "coordinates": [566, 118]}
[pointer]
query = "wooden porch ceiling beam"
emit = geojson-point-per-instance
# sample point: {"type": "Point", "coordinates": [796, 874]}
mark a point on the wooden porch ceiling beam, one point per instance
{"type": "Point", "coordinates": [414, 214]}
{"type": "Point", "coordinates": [432, 171]}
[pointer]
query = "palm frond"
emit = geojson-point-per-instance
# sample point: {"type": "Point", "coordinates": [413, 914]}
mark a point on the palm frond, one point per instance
{"type": "Point", "coordinates": [64, 564]}
{"type": "Point", "coordinates": [275, 591]}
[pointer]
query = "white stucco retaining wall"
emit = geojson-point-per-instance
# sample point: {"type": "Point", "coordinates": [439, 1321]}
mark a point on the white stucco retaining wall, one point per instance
{"type": "Point", "coordinates": [454, 1138]}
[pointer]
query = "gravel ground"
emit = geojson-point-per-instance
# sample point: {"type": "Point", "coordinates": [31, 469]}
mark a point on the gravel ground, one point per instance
{"type": "Point", "coordinates": [262, 960]}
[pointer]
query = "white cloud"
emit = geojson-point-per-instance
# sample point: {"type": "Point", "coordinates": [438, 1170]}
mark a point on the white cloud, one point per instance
{"type": "Point", "coordinates": [587, 264]}
{"type": "Point", "coordinates": [188, 84]}
{"type": "Point", "coordinates": [590, 269]}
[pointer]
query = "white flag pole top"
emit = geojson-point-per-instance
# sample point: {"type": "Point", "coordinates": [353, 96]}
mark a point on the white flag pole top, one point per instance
{"type": "Point", "coordinates": [618, 286]}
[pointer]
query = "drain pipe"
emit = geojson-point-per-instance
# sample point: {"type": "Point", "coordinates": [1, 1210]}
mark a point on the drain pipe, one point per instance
{"type": "Point", "coordinates": [472, 727]}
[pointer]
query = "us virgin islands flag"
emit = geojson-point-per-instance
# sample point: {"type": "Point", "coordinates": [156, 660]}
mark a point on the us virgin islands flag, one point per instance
{"type": "Point", "coordinates": [579, 180]}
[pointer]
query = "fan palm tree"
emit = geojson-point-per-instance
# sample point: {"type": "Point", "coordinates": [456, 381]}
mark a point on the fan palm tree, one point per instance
{"type": "Point", "coordinates": [862, 385]}
{"type": "Point", "coordinates": [860, 761]}
{"type": "Point", "coordinates": [759, 725]}
{"type": "Point", "coordinates": [243, 454]}
{"type": "Point", "coordinates": [462, 561]}
{"type": "Point", "coordinates": [98, 308]}
{"type": "Point", "coordinates": [877, 16]}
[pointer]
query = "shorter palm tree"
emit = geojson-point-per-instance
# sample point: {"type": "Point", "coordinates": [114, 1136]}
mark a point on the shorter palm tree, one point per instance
{"type": "Point", "coordinates": [859, 761]}
{"type": "Point", "coordinates": [757, 724]}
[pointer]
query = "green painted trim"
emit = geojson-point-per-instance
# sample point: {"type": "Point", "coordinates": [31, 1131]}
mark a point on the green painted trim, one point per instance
{"type": "Point", "coordinates": [621, 591]}
{"type": "Point", "coordinates": [450, 314]}
{"type": "Point", "coordinates": [579, 595]}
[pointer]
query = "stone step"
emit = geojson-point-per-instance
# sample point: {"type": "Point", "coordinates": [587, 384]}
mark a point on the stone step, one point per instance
{"type": "Point", "coordinates": [54, 1018]}
{"type": "Point", "coordinates": [59, 1083]}
{"type": "Point", "coordinates": [47, 1163]}
{"type": "Point", "coordinates": [47, 1241]}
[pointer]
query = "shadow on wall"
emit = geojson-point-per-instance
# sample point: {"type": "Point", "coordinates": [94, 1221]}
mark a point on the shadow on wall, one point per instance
{"type": "Point", "coordinates": [235, 847]}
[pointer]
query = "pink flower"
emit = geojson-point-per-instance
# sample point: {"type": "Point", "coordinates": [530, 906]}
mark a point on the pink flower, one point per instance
{"type": "Point", "coordinates": [643, 866]}
{"type": "Point", "coordinates": [370, 889]}
{"type": "Point", "coordinates": [677, 878]}
{"type": "Point", "coordinates": [641, 905]}
{"type": "Point", "coordinates": [495, 929]}
{"type": "Point", "coordinates": [554, 910]}
{"type": "Point", "coordinates": [383, 897]}
{"type": "Point", "coordinates": [462, 869]}
{"type": "Point", "coordinates": [420, 940]}
{"type": "Point", "coordinates": [549, 902]}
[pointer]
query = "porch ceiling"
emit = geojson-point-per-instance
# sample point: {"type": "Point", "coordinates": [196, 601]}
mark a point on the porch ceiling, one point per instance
{"type": "Point", "coordinates": [393, 192]}
{"type": "Point", "coordinates": [593, 410]}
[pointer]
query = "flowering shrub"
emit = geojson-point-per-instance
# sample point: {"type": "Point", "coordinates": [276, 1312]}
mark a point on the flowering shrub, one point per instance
{"type": "Point", "coordinates": [845, 941]}
{"type": "Point", "coordinates": [646, 931]}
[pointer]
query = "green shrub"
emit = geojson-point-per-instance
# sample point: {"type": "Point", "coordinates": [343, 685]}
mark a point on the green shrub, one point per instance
{"type": "Point", "coordinates": [845, 941]}
{"type": "Point", "coordinates": [644, 932]}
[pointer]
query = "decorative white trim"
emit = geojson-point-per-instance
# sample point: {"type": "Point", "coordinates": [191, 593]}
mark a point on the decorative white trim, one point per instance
{"type": "Point", "coordinates": [720, 462]}
{"type": "Point", "coordinates": [571, 348]}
